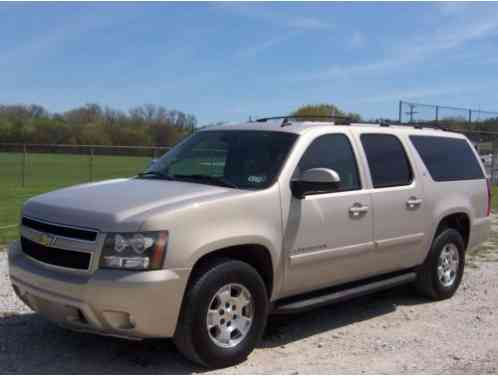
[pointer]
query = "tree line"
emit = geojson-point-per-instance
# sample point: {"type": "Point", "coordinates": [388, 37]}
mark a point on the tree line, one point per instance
{"type": "Point", "coordinates": [318, 111]}
{"type": "Point", "coordinates": [147, 125]}
{"type": "Point", "coordinates": [93, 124]}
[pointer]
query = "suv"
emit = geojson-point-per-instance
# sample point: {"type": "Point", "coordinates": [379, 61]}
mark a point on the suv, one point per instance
{"type": "Point", "coordinates": [242, 221]}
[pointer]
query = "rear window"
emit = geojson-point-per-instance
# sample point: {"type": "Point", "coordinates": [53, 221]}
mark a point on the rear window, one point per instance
{"type": "Point", "coordinates": [447, 158]}
{"type": "Point", "coordinates": [387, 160]}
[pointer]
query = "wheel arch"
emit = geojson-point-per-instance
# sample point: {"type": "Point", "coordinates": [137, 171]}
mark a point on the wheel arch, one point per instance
{"type": "Point", "coordinates": [255, 254]}
{"type": "Point", "coordinates": [458, 220]}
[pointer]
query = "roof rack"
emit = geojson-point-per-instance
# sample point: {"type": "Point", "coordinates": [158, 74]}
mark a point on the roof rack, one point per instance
{"type": "Point", "coordinates": [346, 120]}
{"type": "Point", "coordinates": [432, 125]}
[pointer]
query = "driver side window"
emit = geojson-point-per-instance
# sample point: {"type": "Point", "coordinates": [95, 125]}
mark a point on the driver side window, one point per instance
{"type": "Point", "coordinates": [332, 151]}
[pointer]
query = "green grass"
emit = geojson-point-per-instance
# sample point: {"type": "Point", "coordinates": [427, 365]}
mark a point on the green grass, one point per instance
{"type": "Point", "coordinates": [46, 172]}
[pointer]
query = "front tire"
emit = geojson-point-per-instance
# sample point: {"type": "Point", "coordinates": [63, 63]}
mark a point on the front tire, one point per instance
{"type": "Point", "coordinates": [442, 271]}
{"type": "Point", "coordinates": [223, 315]}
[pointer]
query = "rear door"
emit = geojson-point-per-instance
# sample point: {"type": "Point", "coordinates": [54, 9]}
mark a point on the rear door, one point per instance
{"type": "Point", "coordinates": [397, 199]}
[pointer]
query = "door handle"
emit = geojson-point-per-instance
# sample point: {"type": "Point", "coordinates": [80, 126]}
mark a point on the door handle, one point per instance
{"type": "Point", "coordinates": [413, 202]}
{"type": "Point", "coordinates": [358, 209]}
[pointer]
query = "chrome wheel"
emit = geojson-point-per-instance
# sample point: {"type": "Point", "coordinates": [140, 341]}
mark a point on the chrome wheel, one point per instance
{"type": "Point", "coordinates": [448, 264]}
{"type": "Point", "coordinates": [230, 315]}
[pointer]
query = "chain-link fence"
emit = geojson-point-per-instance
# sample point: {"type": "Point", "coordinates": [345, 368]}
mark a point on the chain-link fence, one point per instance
{"type": "Point", "coordinates": [410, 112]}
{"type": "Point", "coordinates": [34, 165]}
{"type": "Point", "coordinates": [481, 127]}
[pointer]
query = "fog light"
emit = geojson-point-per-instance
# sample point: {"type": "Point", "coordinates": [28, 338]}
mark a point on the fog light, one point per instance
{"type": "Point", "coordinates": [119, 320]}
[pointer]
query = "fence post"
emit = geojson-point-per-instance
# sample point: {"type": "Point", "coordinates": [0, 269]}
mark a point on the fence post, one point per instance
{"type": "Point", "coordinates": [437, 114]}
{"type": "Point", "coordinates": [24, 165]}
{"type": "Point", "coordinates": [400, 112]}
{"type": "Point", "coordinates": [470, 116]}
{"type": "Point", "coordinates": [492, 172]}
{"type": "Point", "coordinates": [91, 164]}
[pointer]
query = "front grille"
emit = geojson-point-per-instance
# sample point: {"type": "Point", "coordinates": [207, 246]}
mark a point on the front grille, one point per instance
{"type": "Point", "coordinates": [68, 232]}
{"type": "Point", "coordinates": [56, 256]}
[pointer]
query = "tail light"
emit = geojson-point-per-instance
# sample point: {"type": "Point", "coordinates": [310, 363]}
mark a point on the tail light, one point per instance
{"type": "Point", "coordinates": [488, 211]}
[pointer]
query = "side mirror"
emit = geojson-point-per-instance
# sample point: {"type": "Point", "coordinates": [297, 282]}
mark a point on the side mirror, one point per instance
{"type": "Point", "coordinates": [320, 175]}
{"type": "Point", "coordinates": [315, 180]}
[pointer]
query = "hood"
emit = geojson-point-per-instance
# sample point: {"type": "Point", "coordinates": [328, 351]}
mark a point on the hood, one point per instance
{"type": "Point", "coordinates": [122, 202]}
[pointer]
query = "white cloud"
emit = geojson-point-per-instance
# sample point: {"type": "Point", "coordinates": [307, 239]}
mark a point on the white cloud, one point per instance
{"type": "Point", "coordinates": [251, 51]}
{"type": "Point", "coordinates": [357, 40]}
{"type": "Point", "coordinates": [419, 93]}
{"type": "Point", "coordinates": [54, 39]}
{"type": "Point", "coordinates": [306, 23]}
{"type": "Point", "coordinates": [271, 14]}
{"type": "Point", "coordinates": [450, 8]}
{"type": "Point", "coordinates": [418, 49]}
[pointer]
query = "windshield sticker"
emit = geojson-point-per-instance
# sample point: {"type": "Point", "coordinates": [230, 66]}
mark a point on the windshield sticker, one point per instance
{"type": "Point", "coordinates": [256, 179]}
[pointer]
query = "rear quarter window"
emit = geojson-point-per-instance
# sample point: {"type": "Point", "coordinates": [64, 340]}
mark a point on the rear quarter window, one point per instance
{"type": "Point", "coordinates": [447, 159]}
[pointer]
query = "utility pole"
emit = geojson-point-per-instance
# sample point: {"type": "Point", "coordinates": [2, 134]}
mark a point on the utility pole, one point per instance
{"type": "Point", "coordinates": [411, 112]}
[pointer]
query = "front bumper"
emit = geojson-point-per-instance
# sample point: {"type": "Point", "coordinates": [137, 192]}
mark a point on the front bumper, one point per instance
{"type": "Point", "coordinates": [109, 302]}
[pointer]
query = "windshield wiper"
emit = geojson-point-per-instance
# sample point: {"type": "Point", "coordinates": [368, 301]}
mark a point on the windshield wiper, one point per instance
{"type": "Point", "coordinates": [209, 179]}
{"type": "Point", "coordinates": [154, 174]}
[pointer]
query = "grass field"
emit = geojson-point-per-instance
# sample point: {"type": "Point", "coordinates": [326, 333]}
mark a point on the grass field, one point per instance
{"type": "Point", "coordinates": [46, 172]}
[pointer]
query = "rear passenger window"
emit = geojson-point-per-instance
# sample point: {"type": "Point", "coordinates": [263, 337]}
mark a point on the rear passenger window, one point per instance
{"type": "Point", "coordinates": [332, 151]}
{"type": "Point", "coordinates": [447, 158]}
{"type": "Point", "coordinates": [387, 160]}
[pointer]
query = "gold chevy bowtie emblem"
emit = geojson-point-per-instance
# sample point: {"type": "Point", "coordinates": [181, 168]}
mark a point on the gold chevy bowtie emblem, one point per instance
{"type": "Point", "coordinates": [47, 240]}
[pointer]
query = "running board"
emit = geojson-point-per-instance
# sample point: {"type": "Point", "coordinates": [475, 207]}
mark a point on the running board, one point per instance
{"type": "Point", "coordinates": [339, 294]}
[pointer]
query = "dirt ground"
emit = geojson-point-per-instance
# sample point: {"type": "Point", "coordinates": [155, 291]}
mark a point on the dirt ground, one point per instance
{"type": "Point", "coordinates": [390, 332]}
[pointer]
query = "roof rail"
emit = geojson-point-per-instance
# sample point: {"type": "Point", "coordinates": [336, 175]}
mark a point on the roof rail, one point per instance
{"type": "Point", "coordinates": [432, 125]}
{"type": "Point", "coordinates": [346, 119]}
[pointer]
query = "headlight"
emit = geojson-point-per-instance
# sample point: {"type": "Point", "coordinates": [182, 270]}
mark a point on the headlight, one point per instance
{"type": "Point", "coordinates": [134, 251]}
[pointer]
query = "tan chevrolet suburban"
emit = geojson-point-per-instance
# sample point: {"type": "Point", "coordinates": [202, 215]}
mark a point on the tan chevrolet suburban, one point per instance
{"type": "Point", "coordinates": [241, 221]}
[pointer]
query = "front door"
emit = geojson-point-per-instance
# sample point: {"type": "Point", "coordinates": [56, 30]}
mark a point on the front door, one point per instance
{"type": "Point", "coordinates": [328, 236]}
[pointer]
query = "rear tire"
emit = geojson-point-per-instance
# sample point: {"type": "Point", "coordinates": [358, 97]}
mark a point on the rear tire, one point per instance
{"type": "Point", "coordinates": [442, 271]}
{"type": "Point", "coordinates": [212, 334]}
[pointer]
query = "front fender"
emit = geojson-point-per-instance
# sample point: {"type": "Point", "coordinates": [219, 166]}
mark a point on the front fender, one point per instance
{"type": "Point", "coordinates": [243, 219]}
{"type": "Point", "coordinates": [233, 242]}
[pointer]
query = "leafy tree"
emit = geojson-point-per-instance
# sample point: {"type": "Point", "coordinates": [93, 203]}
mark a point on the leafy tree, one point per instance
{"type": "Point", "coordinates": [319, 110]}
{"type": "Point", "coordinates": [93, 134]}
{"type": "Point", "coordinates": [96, 125]}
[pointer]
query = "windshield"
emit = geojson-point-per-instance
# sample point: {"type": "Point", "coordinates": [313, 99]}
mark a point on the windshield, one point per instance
{"type": "Point", "coordinates": [237, 159]}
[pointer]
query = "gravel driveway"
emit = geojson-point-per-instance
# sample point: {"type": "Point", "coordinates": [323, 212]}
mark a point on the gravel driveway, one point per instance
{"type": "Point", "coordinates": [390, 332]}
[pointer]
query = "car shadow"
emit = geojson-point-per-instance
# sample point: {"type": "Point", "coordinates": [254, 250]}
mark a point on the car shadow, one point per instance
{"type": "Point", "coordinates": [30, 344]}
{"type": "Point", "coordinates": [285, 329]}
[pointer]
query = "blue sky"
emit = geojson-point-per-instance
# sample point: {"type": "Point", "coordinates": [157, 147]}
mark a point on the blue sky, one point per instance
{"type": "Point", "coordinates": [228, 61]}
